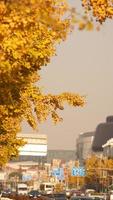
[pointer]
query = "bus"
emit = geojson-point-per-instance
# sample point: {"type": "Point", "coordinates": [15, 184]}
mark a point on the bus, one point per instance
{"type": "Point", "coordinates": [47, 187]}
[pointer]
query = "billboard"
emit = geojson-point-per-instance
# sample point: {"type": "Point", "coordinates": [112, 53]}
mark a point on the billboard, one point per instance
{"type": "Point", "coordinates": [33, 150]}
{"type": "Point", "coordinates": [78, 171]}
{"type": "Point", "coordinates": [58, 173]}
{"type": "Point", "coordinates": [26, 177]}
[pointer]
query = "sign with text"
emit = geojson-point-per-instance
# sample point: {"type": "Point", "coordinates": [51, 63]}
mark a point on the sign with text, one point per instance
{"type": "Point", "coordinates": [26, 177]}
{"type": "Point", "coordinates": [78, 171]}
{"type": "Point", "coordinates": [58, 173]}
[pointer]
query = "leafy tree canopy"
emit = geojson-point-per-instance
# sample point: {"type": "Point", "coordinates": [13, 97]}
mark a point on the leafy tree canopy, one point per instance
{"type": "Point", "coordinates": [30, 30]}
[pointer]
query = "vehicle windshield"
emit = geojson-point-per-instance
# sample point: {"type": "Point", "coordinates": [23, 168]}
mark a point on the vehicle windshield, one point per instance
{"type": "Point", "coordinates": [49, 186]}
{"type": "Point", "coordinates": [22, 188]}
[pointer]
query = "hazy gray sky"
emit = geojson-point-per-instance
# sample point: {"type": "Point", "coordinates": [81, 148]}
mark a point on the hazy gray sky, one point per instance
{"type": "Point", "coordinates": [84, 65]}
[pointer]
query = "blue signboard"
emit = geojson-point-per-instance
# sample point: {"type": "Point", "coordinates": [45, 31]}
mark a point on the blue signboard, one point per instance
{"type": "Point", "coordinates": [59, 173]}
{"type": "Point", "coordinates": [78, 171]}
{"type": "Point", "coordinates": [61, 176]}
{"type": "Point", "coordinates": [56, 172]}
{"type": "Point", "coordinates": [26, 177]}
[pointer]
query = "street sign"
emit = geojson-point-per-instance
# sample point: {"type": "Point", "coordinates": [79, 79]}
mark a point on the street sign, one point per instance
{"type": "Point", "coordinates": [58, 173]}
{"type": "Point", "coordinates": [78, 171]}
{"type": "Point", "coordinates": [26, 177]}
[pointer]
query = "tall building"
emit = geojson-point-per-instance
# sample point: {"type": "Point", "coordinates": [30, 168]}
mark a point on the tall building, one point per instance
{"type": "Point", "coordinates": [84, 145]}
{"type": "Point", "coordinates": [103, 133]}
{"type": "Point", "coordinates": [35, 148]}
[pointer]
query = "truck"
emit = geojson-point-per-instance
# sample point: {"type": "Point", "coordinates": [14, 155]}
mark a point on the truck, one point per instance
{"type": "Point", "coordinates": [47, 187]}
{"type": "Point", "coordinates": [22, 188]}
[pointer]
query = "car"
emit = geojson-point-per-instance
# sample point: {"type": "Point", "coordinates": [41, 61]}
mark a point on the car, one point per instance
{"type": "Point", "coordinates": [81, 198]}
{"type": "Point", "coordinates": [97, 197]}
{"type": "Point", "coordinates": [50, 196]}
{"type": "Point", "coordinates": [6, 193]}
{"type": "Point", "coordinates": [75, 192]}
{"type": "Point", "coordinates": [56, 196]}
{"type": "Point", "coordinates": [60, 196]}
{"type": "Point", "coordinates": [34, 193]}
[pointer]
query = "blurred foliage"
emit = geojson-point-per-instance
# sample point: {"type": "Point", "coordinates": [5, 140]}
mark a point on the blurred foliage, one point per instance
{"type": "Point", "coordinates": [75, 181]}
{"type": "Point", "coordinates": [100, 9]}
{"type": "Point", "coordinates": [59, 187]}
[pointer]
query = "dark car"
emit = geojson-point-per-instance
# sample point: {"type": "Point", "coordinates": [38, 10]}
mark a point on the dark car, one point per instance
{"type": "Point", "coordinates": [34, 193]}
{"type": "Point", "coordinates": [81, 198]}
{"type": "Point", "coordinates": [50, 196]}
{"type": "Point", "coordinates": [98, 198]}
{"type": "Point", "coordinates": [57, 196]}
{"type": "Point", "coordinates": [5, 193]}
{"type": "Point", "coordinates": [60, 196]}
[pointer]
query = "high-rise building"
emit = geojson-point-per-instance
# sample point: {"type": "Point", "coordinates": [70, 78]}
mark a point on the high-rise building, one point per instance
{"type": "Point", "coordinates": [103, 133]}
{"type": "Point", "coordinates": [84, 146]}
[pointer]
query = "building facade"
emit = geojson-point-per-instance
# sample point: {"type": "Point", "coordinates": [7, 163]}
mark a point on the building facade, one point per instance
{"type": "Point", "coordinates": [84, 146]}
{"type": "Point", "coordinates": [35, 148]}
{"type": "Point", "coordinates": [108, 149]}
{"type": "Point", "coordinates": [64, 155]}
{"type": "Point", "coordinates": [103, 132]}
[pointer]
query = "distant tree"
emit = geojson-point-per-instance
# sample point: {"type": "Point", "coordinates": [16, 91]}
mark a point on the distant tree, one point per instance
{"type": "Point", "coordinates": [15, 175]}
{"type": "Point", "coordinates": [98, 172]}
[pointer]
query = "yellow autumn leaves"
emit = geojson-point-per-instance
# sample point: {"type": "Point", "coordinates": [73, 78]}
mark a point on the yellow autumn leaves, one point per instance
{"type": "Point", "coordinates": [49, 104]}
{"type": "Point", "coordinates": [29, 33]}
{"type": "Point", "coordinates": [101, 9]}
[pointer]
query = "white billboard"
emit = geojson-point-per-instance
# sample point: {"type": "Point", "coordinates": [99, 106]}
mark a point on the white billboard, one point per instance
{"type": "Point", "coordinates": [33, 150]}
